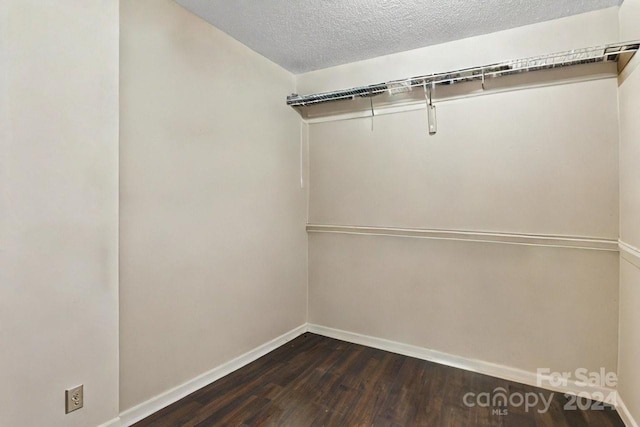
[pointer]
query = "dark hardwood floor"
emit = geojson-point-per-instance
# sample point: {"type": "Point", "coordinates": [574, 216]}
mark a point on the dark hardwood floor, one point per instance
{"type": "Point", "coordinates": [319, 381]}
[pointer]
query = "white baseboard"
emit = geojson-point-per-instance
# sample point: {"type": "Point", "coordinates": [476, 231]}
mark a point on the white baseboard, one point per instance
{"type": "Point", "coordinates": [624, 413]}
{"type": "Point", "coordinates": [113, 423]}
{"type": "Point", "coordinates": [479, 366]}
{"type": "Point", "coordinates": [143, 410]}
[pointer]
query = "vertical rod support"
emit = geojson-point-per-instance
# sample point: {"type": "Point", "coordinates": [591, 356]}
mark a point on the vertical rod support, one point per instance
{"type": "Point", "coordinates": [431, 109]}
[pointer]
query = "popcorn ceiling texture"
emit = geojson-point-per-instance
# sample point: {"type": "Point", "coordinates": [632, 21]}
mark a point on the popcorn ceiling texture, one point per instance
{"type": "Point", "coordinates": [306, 35]}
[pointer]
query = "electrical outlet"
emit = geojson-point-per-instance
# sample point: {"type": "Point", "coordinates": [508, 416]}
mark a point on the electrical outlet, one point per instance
{"type": "Point", "coordinates": [74, 398]}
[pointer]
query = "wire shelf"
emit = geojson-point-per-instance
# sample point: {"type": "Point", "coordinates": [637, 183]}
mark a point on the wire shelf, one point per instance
{"type": "Point", "coordinates": [617, 52]}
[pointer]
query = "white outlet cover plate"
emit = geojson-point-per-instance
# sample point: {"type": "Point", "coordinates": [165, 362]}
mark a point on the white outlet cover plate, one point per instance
{"type": "Point", "coordinates": [74, 398]}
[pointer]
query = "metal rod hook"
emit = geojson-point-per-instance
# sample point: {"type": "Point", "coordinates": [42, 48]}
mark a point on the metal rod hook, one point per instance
{"type": "Point", "coordinates": [373, 113]}
{"type": "Point", "coordinates": [431, 109]}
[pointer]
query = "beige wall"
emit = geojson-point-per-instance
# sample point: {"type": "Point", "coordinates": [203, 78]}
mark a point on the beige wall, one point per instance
{"type": "Point", "coordinates": [58, 211]}
{"type": "Point", "coordinates": [213, 246]}
{"type": "Point", "coordinates": [630, 136]}
{"type": "Point", "coordinates": [629, 98]}
{"type": "Point", "coordinates": [629, 350]}
{"type": "Point", "coordinates": [537, 161]}
{"type": "Point", "coordinates": [529, 161]}
{"type": "Point", "coordinates": [506, 304]}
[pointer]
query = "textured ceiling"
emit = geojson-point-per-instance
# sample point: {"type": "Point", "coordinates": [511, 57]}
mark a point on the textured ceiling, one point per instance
{"type": "Point", "coordinates": [305, 35]}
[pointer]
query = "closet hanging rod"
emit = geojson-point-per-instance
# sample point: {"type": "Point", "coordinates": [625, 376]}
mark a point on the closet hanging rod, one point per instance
{"type": "Point", "coordinates": [615, 52]}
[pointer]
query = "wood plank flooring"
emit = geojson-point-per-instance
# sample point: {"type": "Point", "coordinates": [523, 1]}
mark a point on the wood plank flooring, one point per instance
{"type": "Point", "coordinates": [319, 381]}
